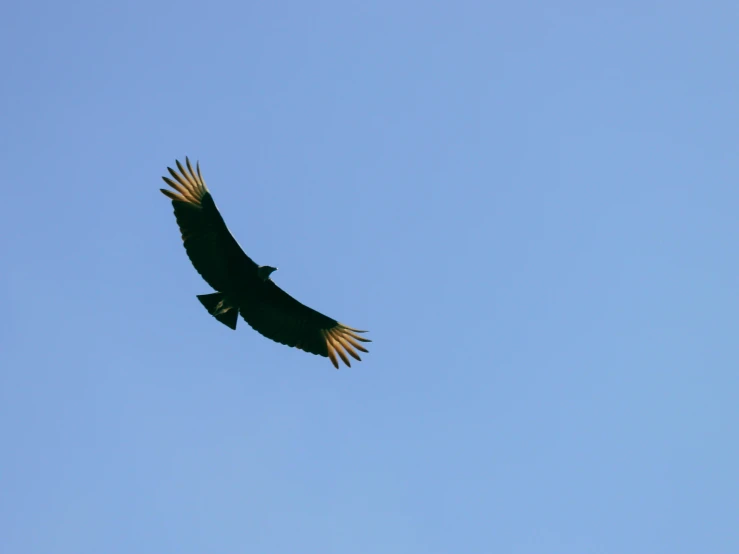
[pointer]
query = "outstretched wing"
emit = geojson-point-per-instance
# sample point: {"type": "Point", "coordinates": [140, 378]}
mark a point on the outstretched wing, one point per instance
{"type": "Point", "coordinates": [209, 244]}
{"type": "Point", "coordinates": [278, 316]}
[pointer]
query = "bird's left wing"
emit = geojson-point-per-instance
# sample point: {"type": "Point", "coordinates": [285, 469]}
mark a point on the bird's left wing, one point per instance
{"type": "Point", "coordinates": [278, 316]}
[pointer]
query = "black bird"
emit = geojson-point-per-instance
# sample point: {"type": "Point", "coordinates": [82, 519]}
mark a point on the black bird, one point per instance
{"type": "Point", "coordinates": [242, 286]}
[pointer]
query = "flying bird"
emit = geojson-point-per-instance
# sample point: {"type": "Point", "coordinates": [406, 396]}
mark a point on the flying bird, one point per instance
{"type": "Point", "coordinates": [242, 286]}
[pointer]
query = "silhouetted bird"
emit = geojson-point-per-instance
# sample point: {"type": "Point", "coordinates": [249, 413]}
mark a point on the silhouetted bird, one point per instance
{"type": "Point", "coordinates": [245, 287]}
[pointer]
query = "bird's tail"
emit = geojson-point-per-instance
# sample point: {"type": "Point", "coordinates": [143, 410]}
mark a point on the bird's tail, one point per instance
{"type": "Point", "coordinates": [219, 307]}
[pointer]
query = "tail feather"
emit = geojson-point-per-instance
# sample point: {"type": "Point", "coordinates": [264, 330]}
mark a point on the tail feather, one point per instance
{"type": "Point", "coordinates": [217, 306]}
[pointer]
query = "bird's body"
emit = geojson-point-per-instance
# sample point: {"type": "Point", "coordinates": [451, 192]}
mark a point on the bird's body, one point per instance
{"type": "Point", "coordinates": [242, 286]}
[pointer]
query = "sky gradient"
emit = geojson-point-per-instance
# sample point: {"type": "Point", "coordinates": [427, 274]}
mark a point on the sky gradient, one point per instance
{"type": "Point", "coordinates": [532, 207]}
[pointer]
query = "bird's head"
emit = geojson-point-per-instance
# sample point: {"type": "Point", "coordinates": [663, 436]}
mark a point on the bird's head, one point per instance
{"type": "Point", "coordinates": [264, 271]}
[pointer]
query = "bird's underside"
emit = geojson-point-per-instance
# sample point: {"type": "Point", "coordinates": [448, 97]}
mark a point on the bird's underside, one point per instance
{"type": "Point", "coordinates": [244, 287]}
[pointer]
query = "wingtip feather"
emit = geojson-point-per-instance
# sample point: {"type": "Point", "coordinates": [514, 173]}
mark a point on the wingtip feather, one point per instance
{"type": "Point", "coordinates": [186, 182]}
{"type": "Point", "coordinates": [354, 343]}
{"type": "Point", "coordinates": [341, 339]}
{"type": "Point", "coordinates": [185, 194]}
{"type": "Point", "coordinates": [171, 195]}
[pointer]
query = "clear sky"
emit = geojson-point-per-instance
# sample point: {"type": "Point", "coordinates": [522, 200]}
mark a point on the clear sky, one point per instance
{"type": "Point", "coordinates": [532, 206]}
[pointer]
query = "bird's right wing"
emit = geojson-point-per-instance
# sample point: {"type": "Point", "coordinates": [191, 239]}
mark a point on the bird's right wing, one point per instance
{"type": "Point", "coordinates": [213, 251]}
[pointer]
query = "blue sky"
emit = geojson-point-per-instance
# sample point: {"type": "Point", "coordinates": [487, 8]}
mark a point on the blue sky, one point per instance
{"type": "Point", "coordinates": [532, 207]}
